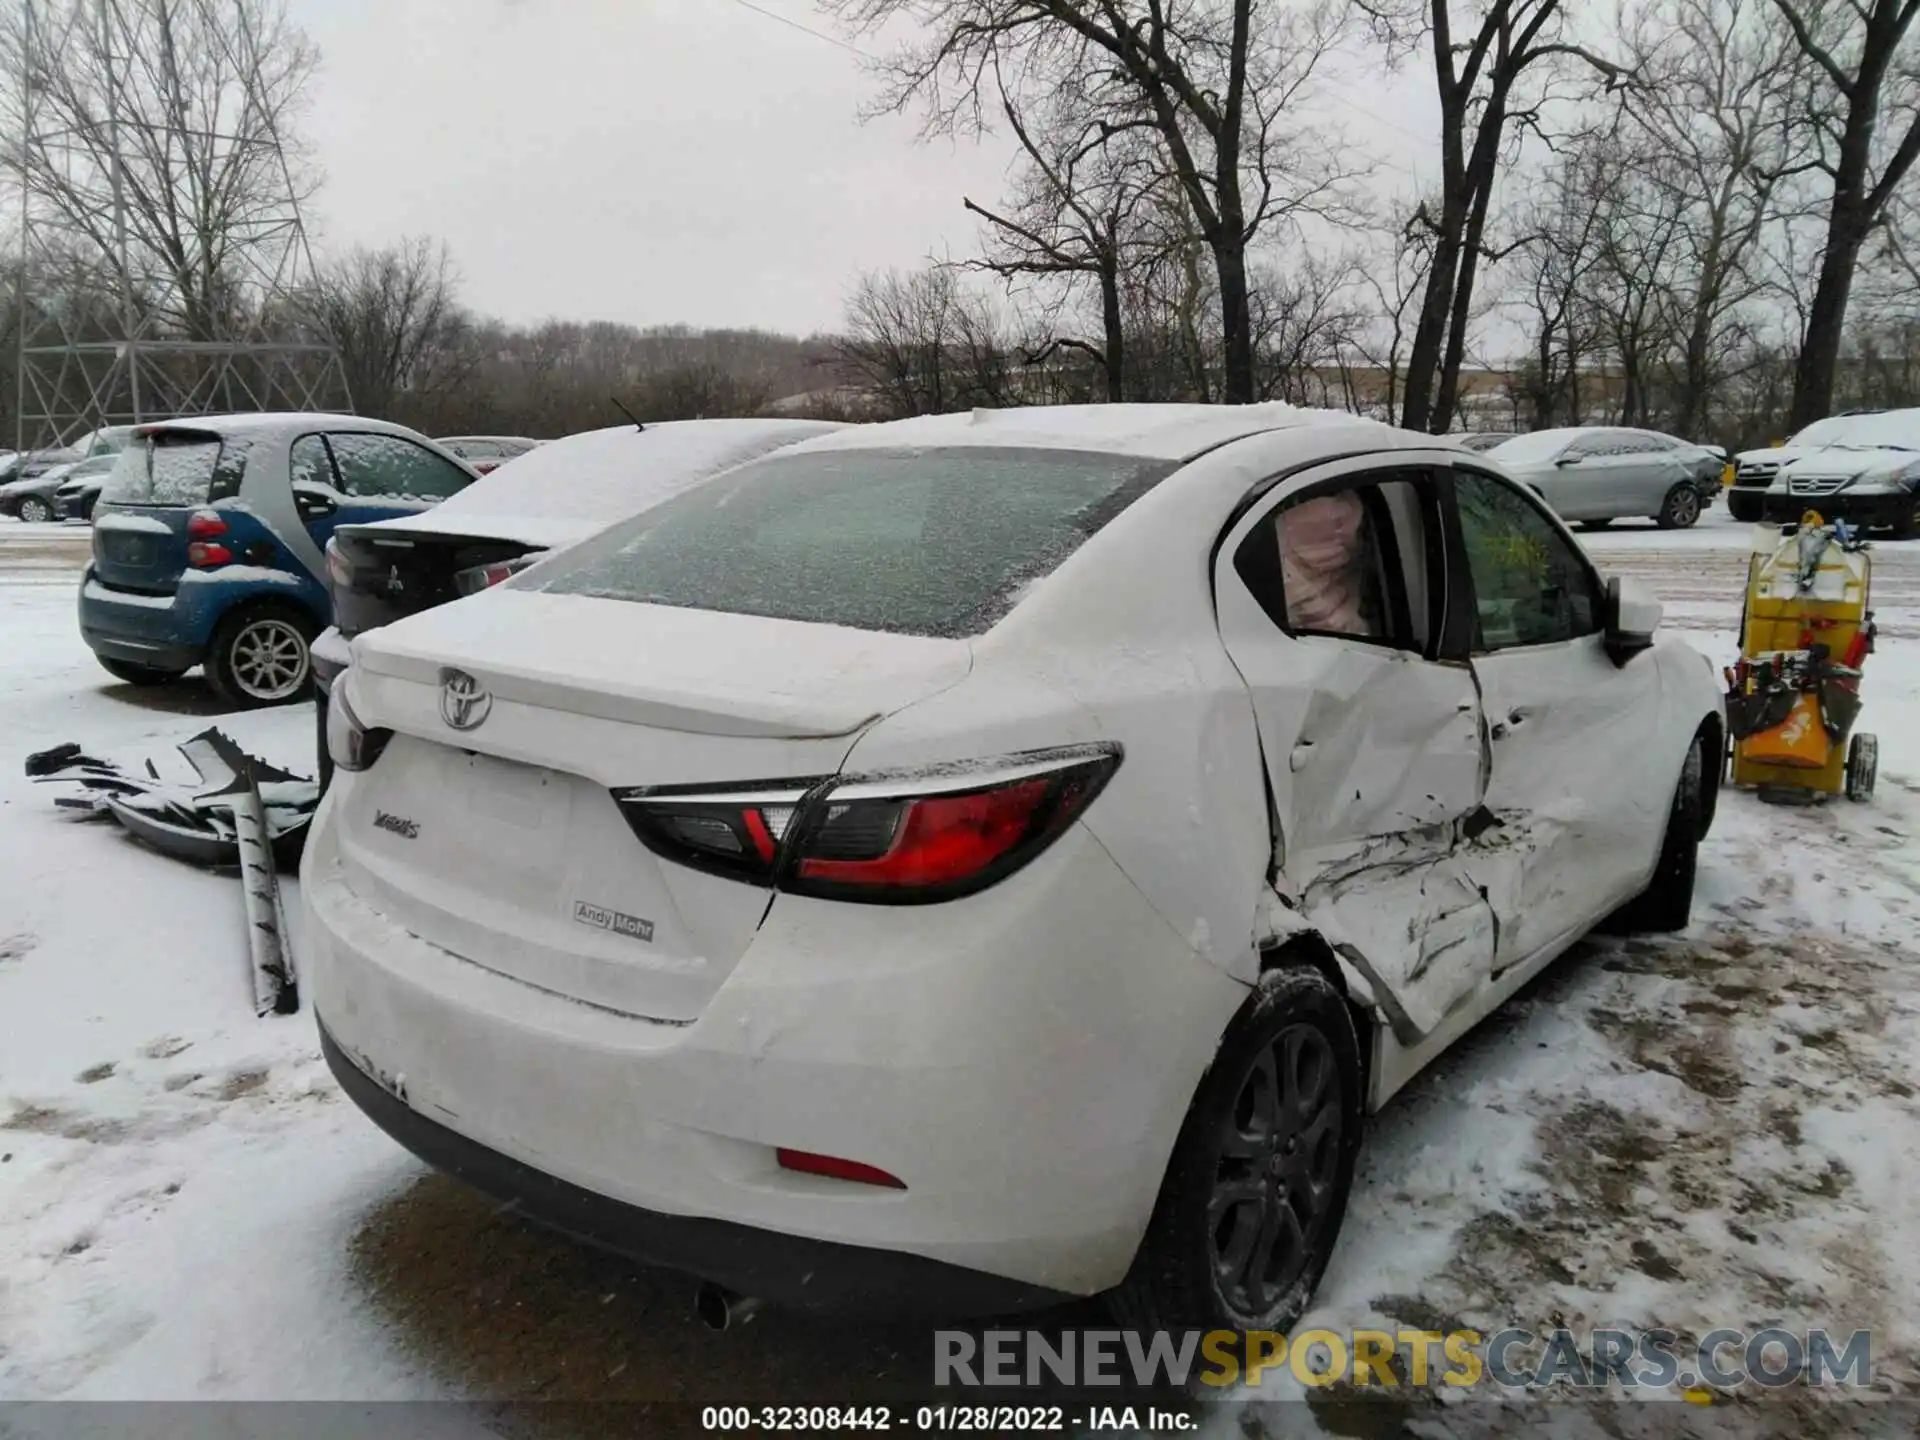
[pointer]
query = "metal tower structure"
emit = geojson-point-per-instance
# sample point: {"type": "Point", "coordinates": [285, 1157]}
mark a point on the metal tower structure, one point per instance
{"type": "Point", "coordinates": [146, 290]}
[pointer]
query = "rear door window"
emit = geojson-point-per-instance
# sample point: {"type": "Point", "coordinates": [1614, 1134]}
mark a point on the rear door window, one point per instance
{"type": "Point", "coordinates": [920, 542]}
{"type": "Point", "coordinates": [390, 467]}
{"type": "Point", "coordinates": [173, 467]}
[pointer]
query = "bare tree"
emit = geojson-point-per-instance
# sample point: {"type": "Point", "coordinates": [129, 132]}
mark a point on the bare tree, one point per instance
{"type": "Point", "coordinates": [1865, 74]}
{"type": "Point", "coordinates": [924, 345]}
{"type": "Point", "coordinates": [172, 119]}
{"type": "Point", "coordinates": [1395, 277]}
{"type": "Point", "coordinates": [393, 318]}
{"type": "Point", "coordinates": [1566, 233]}
{"type": "Point", "coordinates": [1715, 121]}
{"type": "Point", "coordinates": [1217, 82]}
{"type": "Point", "coordinates": [1481, 57]}
{"type": "Point", "coordinates": [1306, 321]}
{"type": "Point", "coordinates": [1071, 216]}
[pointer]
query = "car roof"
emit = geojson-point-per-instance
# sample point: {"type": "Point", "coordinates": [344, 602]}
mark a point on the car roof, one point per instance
{"type": "Point", "coordinates": [1165, 432]}
{"type": "Point", "coordinates": [277, 421]}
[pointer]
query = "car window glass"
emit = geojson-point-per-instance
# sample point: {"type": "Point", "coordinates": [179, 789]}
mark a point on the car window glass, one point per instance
{"type": "Point", "coordinates": [1349, 562]}
{"type": "Point", "coordinates": [941, 541]}
{"type": "Point", "coordinates": [390, 467]}
{"type": "Point", "coordinates": [307, 462]}
{"type": "Point", "coordinates": [1531, 585]}
{"type": "Point", "coordinates": [168, 468]}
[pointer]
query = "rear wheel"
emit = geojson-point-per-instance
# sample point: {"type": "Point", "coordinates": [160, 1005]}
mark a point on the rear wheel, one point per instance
{"type": "Point", "coordinates": [1680, 509]}
{"type": "Point", "coordinates": [1863, 767]}
{"type": "Point", "coordinates": [1908, 524]}
{"type": "Point", "coordinates": [1256, 1190]}
{"type": "Point", "coordinates": [138, 674]}
{"type": "Point", "coordinates": [259, 656]}
{"type": "Point", "coordinates": [1667, 902]}
{"type": "Point", "coordinates": [35, 511]}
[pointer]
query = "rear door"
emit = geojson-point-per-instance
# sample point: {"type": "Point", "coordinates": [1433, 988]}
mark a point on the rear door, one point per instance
{"type": "Point", "coordinates": [368, 477]}
{"type": "Point", "coordinates": [1572, 805]}
{"type": "Point", "coordinates": [159, 481]}
{"type": "Point", "coordinates": [1332, 604]}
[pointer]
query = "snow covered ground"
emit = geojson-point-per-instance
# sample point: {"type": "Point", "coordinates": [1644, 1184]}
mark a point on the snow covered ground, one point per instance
{"type": "Point", "coordinates": [1718, 1129]}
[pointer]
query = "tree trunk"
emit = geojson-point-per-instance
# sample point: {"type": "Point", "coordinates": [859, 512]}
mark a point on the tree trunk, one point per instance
{"type": "Point", "coordinates": [1423, 359]}
{"type": "Point", "coordinates": [1236, 321]}
{"type": "Point", "coordinates": [1814, 375]}
{"type": "Point", "coordinates": [1114, 322]}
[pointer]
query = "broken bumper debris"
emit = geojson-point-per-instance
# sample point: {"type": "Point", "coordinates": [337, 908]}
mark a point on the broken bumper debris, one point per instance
{"type": "Point", "coordinates": [242, 812]}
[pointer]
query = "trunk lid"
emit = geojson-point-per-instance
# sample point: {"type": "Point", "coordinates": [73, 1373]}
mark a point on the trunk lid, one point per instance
{"type": "Point", "coordinates": [382, 573]}
{"type": "Point", "coordinates": [503, 843]}
{"type": "Point", "coordinates": [140, 549]}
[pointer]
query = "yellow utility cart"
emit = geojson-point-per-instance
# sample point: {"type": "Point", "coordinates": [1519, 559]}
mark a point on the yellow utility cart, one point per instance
{"type": "Point", "coordinates": [1805, 634]}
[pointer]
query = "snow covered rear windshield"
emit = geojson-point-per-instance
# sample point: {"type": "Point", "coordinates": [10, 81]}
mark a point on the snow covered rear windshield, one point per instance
{"type": "Point", "coordinates": [171, 467]}
{"type": "Point", "coordinates": [937, 542]}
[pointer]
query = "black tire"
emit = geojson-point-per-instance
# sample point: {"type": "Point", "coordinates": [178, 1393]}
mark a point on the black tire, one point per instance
{"type": "Point", "coordinates": [1296, 1030]}
{"type": "Point", "coordinates": [1863, 767]}
{"type": "Point", "coordinates": [35, 511]}
{"type": "Point", "coordinates": [1681, 509]}
{"type": "Point", "coordinates": [244, 661]}
{"type": "Point", "coordinates": [1666, 905]}
{"type": "Point", "coordinates": [138, 674]}
{"type": "Point", "coordinates": [1596, 524]}
{"type": "Point", "coordinates": [1908, 525]}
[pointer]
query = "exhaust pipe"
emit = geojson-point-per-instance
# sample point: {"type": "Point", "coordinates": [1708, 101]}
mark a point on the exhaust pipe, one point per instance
{"type": "Point", "coordinates": [720, 1309]}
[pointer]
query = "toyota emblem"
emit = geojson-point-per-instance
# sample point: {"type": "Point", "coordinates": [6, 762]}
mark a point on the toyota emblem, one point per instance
{"type": "Point", "coordinates": [464, 704]}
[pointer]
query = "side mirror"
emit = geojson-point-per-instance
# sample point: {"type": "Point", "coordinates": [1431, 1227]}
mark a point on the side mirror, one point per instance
{"type": "Point", "coordinates": [1567, 459]}
{"type": "Point", "coordinates": [1633, 614]}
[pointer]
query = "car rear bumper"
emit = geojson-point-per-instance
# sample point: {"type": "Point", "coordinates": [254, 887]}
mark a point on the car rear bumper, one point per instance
{"type": "Point", "coordinates": [1872, 508]}
{"type": "Point", "coordinates": [789, 1269]}
{"type": "Point", "coordinates": [1022, 1067]}
{"type": "Point", "coordinates": [141, 629]}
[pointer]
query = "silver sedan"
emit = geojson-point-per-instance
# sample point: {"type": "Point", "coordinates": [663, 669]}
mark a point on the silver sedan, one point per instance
{"type": "Point", "coordinates": [1599, 474]}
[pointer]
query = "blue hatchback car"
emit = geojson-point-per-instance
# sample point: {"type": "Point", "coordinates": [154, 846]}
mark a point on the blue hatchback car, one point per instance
{"type": "Point", "coordinates": [210, 536]}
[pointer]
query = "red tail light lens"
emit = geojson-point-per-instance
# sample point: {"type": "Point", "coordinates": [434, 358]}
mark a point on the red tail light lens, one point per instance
{"type": "Point", "coordinates": [204, 556]}
{"type": "Point", "coordinates": [898, 840]}
{"type": "Point", "coordinates": [204, 525]}
{"type": "Point", "coordinates": [484, 577]}
{"type": "Point", "coordinates": [834, 1168]}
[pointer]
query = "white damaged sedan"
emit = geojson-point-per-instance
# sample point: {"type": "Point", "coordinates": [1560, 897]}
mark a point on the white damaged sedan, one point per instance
{"type": "Point", "coordinates": [954, 865]}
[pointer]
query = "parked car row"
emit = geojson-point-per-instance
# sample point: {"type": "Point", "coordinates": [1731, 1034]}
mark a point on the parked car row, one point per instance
{"type": "Point", "coordinates": [1597, 474]}
{"type": "Point", "coordinates": [30, 482]}
{"type": "Point", "coordinates": [1862, 467]}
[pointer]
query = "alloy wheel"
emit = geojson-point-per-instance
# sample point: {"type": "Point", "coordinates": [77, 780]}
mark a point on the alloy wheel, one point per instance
{"type": "Point", "coordinates": [1276, 1181]}
{"type": "Point", "coordinates": [35, 511]}
{"type": "Point", "coordinates": [1684, 508]}
{"type": "Point", "coordinates": [269, 660]}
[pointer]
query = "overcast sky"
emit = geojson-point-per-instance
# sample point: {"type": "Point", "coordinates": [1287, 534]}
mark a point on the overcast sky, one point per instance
{"type": "Point", "coordinates": [657, 161]}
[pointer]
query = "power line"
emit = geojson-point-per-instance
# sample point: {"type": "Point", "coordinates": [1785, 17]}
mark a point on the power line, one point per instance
{"type": "Point", "coordinates": [792, 24]}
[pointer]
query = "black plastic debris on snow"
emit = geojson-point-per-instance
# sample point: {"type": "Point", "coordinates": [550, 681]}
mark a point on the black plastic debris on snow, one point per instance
{"type": "Point", "coordinates": [243, 812]}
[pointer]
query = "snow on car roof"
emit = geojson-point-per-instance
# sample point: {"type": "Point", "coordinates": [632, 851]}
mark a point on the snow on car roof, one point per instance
{"type": "Point", "coordinates": [566, 489]}
{"type": "Point", "coordinates": [271, 420]}
{"type": "Point", "coordinates": [1166, 432]}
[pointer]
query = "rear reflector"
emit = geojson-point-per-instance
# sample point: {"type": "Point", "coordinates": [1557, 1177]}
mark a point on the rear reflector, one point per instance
{"type": "Point", "coordinates": [835, 1168]}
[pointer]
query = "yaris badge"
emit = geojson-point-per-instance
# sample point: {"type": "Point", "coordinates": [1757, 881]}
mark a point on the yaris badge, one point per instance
{"type": "Point", "coordinates": [464, 704]}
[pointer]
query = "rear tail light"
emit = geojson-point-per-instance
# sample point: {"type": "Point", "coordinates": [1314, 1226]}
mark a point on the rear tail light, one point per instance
{"type": "Point", "coordinates": [350, 745]}
{"type": "Point", "coordinates": [202, 553]}
{"type": "Point", "coordinates": [483, 577]}
{"type": "Point", "coordinates": [339, 570]}
{"type": "Point", "coordinates": [902, 839]}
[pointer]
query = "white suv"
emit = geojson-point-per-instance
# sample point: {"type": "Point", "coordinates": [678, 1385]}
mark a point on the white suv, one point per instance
{"type": "Point", "coordinates": [957, 864]}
